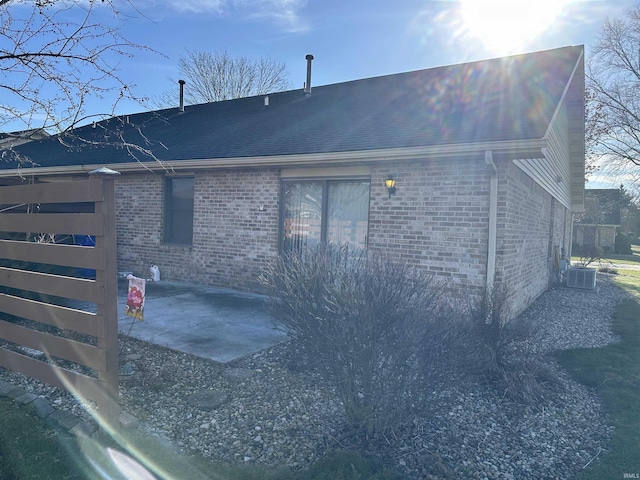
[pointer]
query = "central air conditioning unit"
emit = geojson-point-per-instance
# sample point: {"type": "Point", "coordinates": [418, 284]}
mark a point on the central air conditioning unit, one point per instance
{"type": "Point", "coordinates": [581, 278]}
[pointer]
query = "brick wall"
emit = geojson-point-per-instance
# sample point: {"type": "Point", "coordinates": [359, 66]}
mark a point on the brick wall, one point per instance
{"type": "Point", "coordinates": [139, 206]}
{"type": "Point", "coordinates": [530, 224]}
{"type": "Point", "coordinates": [232, 236]}
{"type": "Point", "coordinates": [562, 229]}
{"type": "Point", "coordinates": [437, 220]}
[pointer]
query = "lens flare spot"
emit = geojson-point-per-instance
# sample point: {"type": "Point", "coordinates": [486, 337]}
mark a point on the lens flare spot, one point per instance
{"type": "Point", "coordinates": [507, 26]}
{"type": "Point", "coordinates": [129, 467]}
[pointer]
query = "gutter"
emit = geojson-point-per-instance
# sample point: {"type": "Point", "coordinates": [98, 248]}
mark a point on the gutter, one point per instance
{"type": "Point", "coordinates": [361, 157]}
{"type": "Point", "coordinates": [493, 223]}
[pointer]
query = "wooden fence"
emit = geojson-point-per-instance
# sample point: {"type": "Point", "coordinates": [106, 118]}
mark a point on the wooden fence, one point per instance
{"type": "Point", "coordinates": [35, 315]}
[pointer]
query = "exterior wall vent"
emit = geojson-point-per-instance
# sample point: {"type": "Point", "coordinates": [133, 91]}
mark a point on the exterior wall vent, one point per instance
{"type": "Point", "coordinates": [581, 278]}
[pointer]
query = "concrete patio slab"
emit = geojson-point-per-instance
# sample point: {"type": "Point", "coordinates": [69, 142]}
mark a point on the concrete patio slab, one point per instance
{"type": "Point", "coordinates": [220, 324]}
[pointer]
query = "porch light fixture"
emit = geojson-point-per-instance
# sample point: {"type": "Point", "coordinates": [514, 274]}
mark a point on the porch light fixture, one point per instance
{"type": "Point", "coordinates": [390, 183]}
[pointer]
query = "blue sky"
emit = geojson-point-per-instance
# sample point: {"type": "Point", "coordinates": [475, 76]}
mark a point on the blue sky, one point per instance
{"type": "Point", "coordinates": [353, 39]}
{"type": "Point", "coordinates": [349, 39]}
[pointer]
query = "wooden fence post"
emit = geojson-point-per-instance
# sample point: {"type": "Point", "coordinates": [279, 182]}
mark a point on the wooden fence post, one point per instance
{"type": "Point", "coordinates": [109, 309]}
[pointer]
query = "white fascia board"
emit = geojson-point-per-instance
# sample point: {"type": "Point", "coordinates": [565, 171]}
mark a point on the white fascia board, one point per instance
{"type": "Point", "coordinates": [564, 95]}
{"type": "Point", "coordinates": [353, 157]}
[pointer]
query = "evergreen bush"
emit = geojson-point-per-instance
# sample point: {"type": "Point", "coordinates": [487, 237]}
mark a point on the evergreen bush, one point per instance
{"type": "Point", "coordinates": [622, 245]}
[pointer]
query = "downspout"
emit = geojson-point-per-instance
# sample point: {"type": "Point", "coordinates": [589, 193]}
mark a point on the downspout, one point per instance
{"type": "Point", "coordinates": [493, 223]}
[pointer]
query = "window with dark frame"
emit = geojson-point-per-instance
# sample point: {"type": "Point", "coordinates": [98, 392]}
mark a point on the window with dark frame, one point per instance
{"type": "Point", "coordinates": [178, 211]}
{"type": "Point", "coordinates": [317, 211]}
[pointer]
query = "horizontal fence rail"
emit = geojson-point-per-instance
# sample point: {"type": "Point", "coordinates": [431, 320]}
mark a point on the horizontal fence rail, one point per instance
{"type": "Point", "coordinates": [43, 279]}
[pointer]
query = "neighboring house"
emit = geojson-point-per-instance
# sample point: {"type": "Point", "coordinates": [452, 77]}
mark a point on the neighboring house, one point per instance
{"type": "Point", "coordinates": [487, 158]}
{"type": "Point", "coordinates": [13, 139]}
{"type": "Point", "coordinates": [598, 224]}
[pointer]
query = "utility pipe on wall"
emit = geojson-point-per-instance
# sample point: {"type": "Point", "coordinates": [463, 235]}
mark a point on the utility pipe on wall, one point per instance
{"type": "Point", "coordinates": [493, 222]}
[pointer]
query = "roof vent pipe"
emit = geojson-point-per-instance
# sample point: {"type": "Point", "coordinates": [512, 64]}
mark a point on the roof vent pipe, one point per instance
{"type": "Point", "coordinates": [181, 82]}
{"type": "Point", "coordinates": [307, 85]}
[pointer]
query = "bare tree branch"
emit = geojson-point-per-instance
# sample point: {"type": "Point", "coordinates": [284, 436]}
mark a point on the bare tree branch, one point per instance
{"type": "Point", "coordinates": [613, 80]}
{"type": "Point", "coordinates": [54, 56]}
{"type": "Point", "coordinates": [215, 76]}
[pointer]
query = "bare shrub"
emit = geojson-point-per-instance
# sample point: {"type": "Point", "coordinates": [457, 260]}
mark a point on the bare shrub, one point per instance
{"type": "Point", "coordinates": [502, 356]}
{"type": "Point", "coordinates": [590, 254]}
{"type": "Point", "coordinates": [525, 381]}
{"type": "Point", "coordinates": [372, 327]}
{"type": "Point", "coordinates": [608, 269]}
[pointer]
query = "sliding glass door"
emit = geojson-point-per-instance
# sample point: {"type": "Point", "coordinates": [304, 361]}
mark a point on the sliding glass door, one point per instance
{"type": "Point", "coordinates": [315, 211]}
{"type": "Point", "coordinates": [302, 215]}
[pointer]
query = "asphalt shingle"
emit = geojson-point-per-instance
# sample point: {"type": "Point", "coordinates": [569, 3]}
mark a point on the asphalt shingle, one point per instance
{"type": "Point", "coordinates": [510, 98]}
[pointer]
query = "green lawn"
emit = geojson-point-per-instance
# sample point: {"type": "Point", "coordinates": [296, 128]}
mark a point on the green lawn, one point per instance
{"type": "Point", "coordinates": [629, 280]}
{"type": "Point", "coordinates": [614, 372]}
{"type": "Point", "coordinates": [633, 259]}
{"type": "Point", "coordinates": [30, 450]}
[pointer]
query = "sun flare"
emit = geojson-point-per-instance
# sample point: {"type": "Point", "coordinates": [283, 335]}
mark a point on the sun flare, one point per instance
{"type": "Point", "coordinates": [507, 26]}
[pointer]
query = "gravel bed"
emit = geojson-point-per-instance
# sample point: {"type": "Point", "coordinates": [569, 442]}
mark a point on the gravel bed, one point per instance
{"type": "Point", "coordinates": [265, 409]}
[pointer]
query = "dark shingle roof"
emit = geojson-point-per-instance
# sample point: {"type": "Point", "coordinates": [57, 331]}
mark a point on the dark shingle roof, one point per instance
{"type": "Point", "coordinates": [511, 98]}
